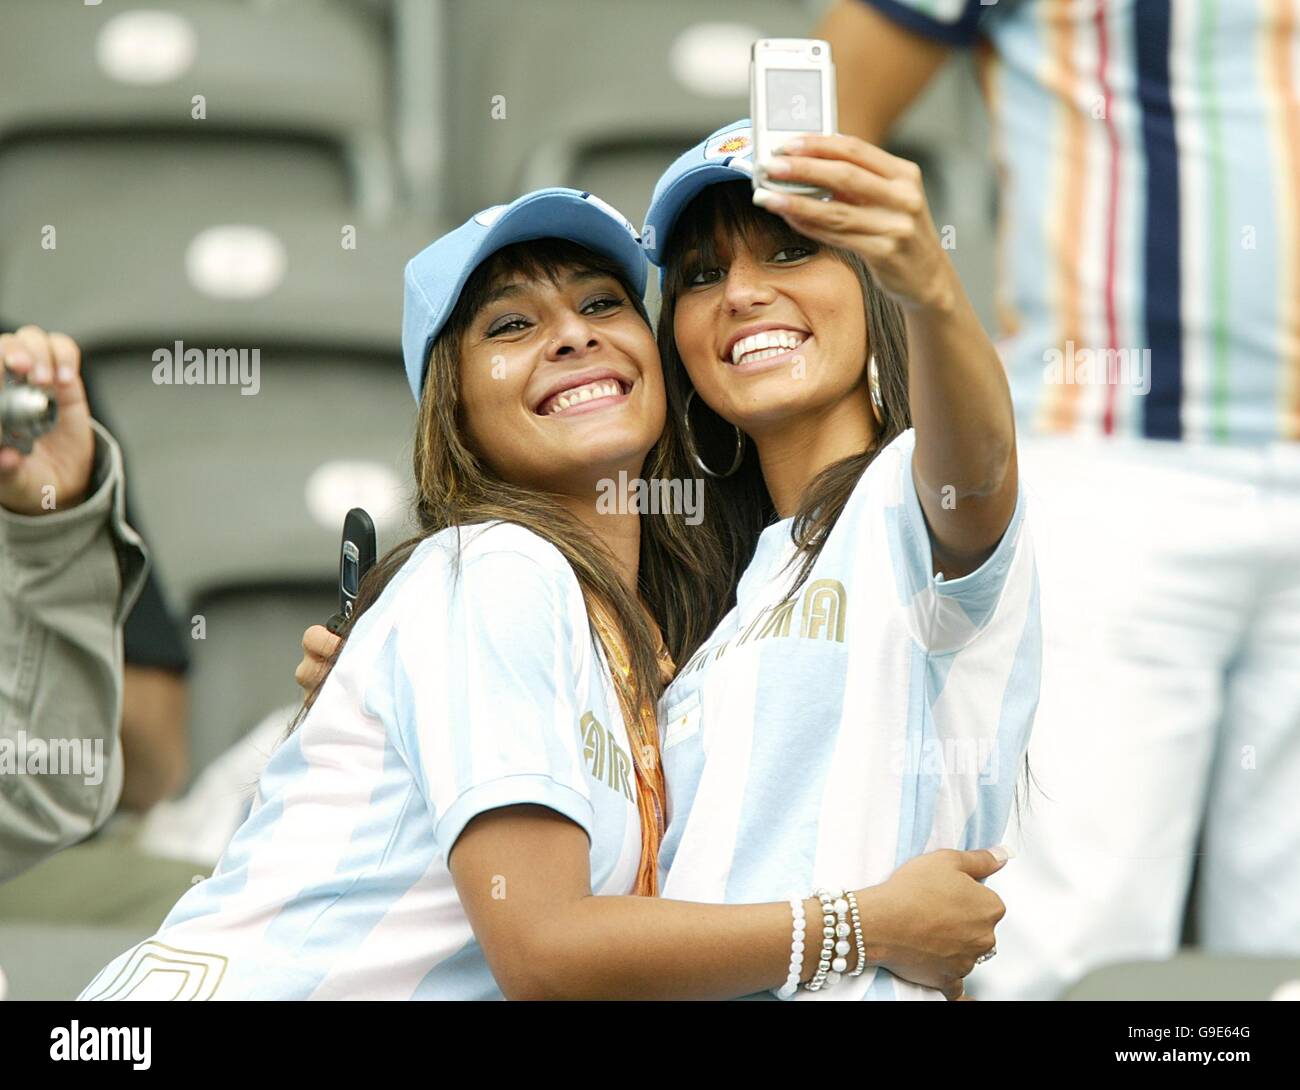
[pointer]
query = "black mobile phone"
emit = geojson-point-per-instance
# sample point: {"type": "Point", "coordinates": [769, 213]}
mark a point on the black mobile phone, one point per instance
{"type": "Point", "coordinates": [356, 557]}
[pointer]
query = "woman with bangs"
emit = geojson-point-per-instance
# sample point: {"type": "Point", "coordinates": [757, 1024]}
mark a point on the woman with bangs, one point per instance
{"type": "Point", "coordinates": [480, 756]}
{"type": "Point", "coordinates": [874, 680]}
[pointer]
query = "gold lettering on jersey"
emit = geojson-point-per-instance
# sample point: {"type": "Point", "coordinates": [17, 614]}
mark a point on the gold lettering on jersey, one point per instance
{"type": "Point", "coordinates": [778, 620]}
{"type": "Point", "coordinates": [823, 608]}
{"type": "Point", "coordinates": [593, 745]}
{"type": "Point", "coordinates": [622, 764]}
{"type": "Point", "coordinates": [752, 625]}
{"type": "Point", "coordinates": [823, 615]}
{"type": "Point", "coordinates": [606, 760]}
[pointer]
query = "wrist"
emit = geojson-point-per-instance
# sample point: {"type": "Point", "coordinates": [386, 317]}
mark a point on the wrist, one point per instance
{"type": "Point", "coordinates": [940, 299]}
{"type": "Point", "coordinates": [41, 500]}
{"type": "Point", "coordinates": [32, 494]}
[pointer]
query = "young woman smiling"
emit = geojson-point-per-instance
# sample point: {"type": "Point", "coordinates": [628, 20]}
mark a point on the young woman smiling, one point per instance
{"type": "Point", "coordinates": [875, 682]}
{"type": "Point", "coordinates": [477, 763]}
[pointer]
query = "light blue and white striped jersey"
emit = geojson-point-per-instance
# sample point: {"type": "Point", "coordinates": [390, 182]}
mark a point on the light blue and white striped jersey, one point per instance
{"type": "Point", "coordinates": [878, 714]}
{"type": "Point", "coordinates": [1149, 161]}
{"type": "Point", "coordinates": [462, 689]}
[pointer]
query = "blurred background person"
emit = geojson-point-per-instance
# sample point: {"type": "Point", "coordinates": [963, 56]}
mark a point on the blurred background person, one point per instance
{"type": "Point", "coordinates": [155, 741]}
{"type": "Point", "coordinates": [1148, 155]}
{"type": "Point", "coordinates": [72, 569]}
{"type": "Point", "coordinates": [155, 746]}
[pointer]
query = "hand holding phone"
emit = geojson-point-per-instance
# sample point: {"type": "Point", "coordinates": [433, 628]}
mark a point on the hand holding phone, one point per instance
{"type": "Point", "coordinates": [318, 647]}
{"type": "Point", "coordinates": [791, 93]}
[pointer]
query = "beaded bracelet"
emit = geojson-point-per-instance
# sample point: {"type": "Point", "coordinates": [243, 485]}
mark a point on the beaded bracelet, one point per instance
{"type": "Point", "coordinates": [797, 932]}
{"type": "Point", "coordinates": [840, 962]}
{"type": "Point", "coordinates": [857, 933]}
{"type": "Point", "coordinates": [824, 963]}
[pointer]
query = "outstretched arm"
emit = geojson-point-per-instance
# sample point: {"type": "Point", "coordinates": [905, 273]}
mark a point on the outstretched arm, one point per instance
{"type": "Point", "coordinates": [964, 465]}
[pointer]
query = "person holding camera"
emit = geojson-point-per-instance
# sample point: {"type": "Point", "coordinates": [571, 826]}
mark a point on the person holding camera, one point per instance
{"type": "Point", "coordinates": [71, 570]}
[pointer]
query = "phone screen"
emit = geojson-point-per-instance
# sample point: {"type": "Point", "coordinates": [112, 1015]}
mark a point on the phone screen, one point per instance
{"type": "Point", "coordinates": [794, 100]}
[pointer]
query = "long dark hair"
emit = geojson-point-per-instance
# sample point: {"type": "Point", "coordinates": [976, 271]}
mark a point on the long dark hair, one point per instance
{"type": "Point", "coordinates": [737, 507]}
{"type": "Point", "coordinates": [680, 568]}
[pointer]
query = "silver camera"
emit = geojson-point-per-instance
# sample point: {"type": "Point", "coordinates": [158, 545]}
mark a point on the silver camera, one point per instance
{"type": "Point", "coordinates": [26, 412]}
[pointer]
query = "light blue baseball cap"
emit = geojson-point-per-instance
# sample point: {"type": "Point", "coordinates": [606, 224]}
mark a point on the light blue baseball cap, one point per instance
{"type": "Point", "coordinates": [437, 274]}
{"type": "Point", "coordinates": [726, 155]}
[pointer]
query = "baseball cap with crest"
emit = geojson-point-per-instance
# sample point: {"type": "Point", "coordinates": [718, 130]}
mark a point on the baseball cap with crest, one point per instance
{"type": "Point", "coordinates": [726, 155]}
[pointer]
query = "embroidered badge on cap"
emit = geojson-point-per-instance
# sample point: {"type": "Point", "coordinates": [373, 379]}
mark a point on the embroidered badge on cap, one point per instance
{"type": "Point", "coordinates": [739, 143]}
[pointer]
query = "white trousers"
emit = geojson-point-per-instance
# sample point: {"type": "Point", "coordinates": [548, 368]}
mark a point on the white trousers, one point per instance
{"type": "Point", "coordinates": [1170, 580]}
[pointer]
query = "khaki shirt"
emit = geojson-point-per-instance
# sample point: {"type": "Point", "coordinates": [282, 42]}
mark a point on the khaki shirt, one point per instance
{"type": "Point", "coordinates": [68, 579]}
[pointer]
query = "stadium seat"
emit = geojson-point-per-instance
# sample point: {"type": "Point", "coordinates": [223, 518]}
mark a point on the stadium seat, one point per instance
{"type": "Point", "coordinates": [242, 501]}
{"type": "Point", "coordinates": [241, 496]}
{"type": "Point", "coordinates": [1191, 975]}
{"type": "Point", "coordinates": [97, 102]}
{"type": "Point", "coordinates": [75, 68]}
{"type": "Point", "coordinates": [601, 98]}
{"type": "Point", "coordinates": [253, 634]}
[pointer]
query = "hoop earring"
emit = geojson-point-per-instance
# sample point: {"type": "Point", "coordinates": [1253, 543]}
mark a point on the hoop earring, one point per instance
{"type": "Point", "coordinates": [873, 384]}
{"type": "Point", "coordinates": [695, 454]}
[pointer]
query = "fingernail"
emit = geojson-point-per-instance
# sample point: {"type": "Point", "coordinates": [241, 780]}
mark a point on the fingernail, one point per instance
{"type": "Point", "coordinates": [41, 374]}
{"type": "Point", "coordinates": [66, 374]}
{"type": "Point", "coordinates": [1001, 853]}
{"type": "Point", "coordinates": [774, 164]}
{"type": "Point", "coordinates": [791, 147]}
{"type": "Point", "coordinates": [765, 198]}
{"type": "Point", "coordinates": [17, 355]}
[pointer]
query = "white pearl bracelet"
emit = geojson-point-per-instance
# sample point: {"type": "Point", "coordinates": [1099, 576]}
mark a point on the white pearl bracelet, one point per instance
{"type": "Point", "coordinates": [797, 932]}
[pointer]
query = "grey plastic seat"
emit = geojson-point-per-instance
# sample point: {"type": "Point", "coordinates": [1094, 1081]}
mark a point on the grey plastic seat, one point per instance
{"type": "Point", "coordinates": [585, 87]}
{"type": "Point", "coordinates": [123, 273]}
{"type": "Point", "coordinates": [241, 496]}
{"type": "Point", "coordinates": [228, 490]}
{"type": "Point", "coordinates": [1192, 975]}
{"type": "Point", "coordinates": [307, 69]}
{"type": "Point", "coordinates": [97, 102]}
{"type": "Point", "coordinates": [243, 670]}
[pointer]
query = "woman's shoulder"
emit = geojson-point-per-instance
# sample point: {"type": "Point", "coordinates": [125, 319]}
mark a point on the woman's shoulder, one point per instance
{"type": "Point", "coordinates": [496, 550]}
{"type": "Point", "coordinates": [895, 453]}
{"type": "Point", "coordinates": [509, 542]}
{"type": "Point", "coordinates": [883, 479]}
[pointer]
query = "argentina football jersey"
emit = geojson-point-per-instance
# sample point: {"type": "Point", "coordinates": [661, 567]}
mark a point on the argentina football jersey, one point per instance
{"type": "Point", "coordinates": [472, 683]}
{"type": "Point", "coordinates": [879, 712]}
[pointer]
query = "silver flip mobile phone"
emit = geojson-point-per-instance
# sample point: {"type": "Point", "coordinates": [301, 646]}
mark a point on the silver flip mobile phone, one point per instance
{"type": "Point", "coordinates": [357, 554]}
{"type": "Point", "coordinates": [791, 93]}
